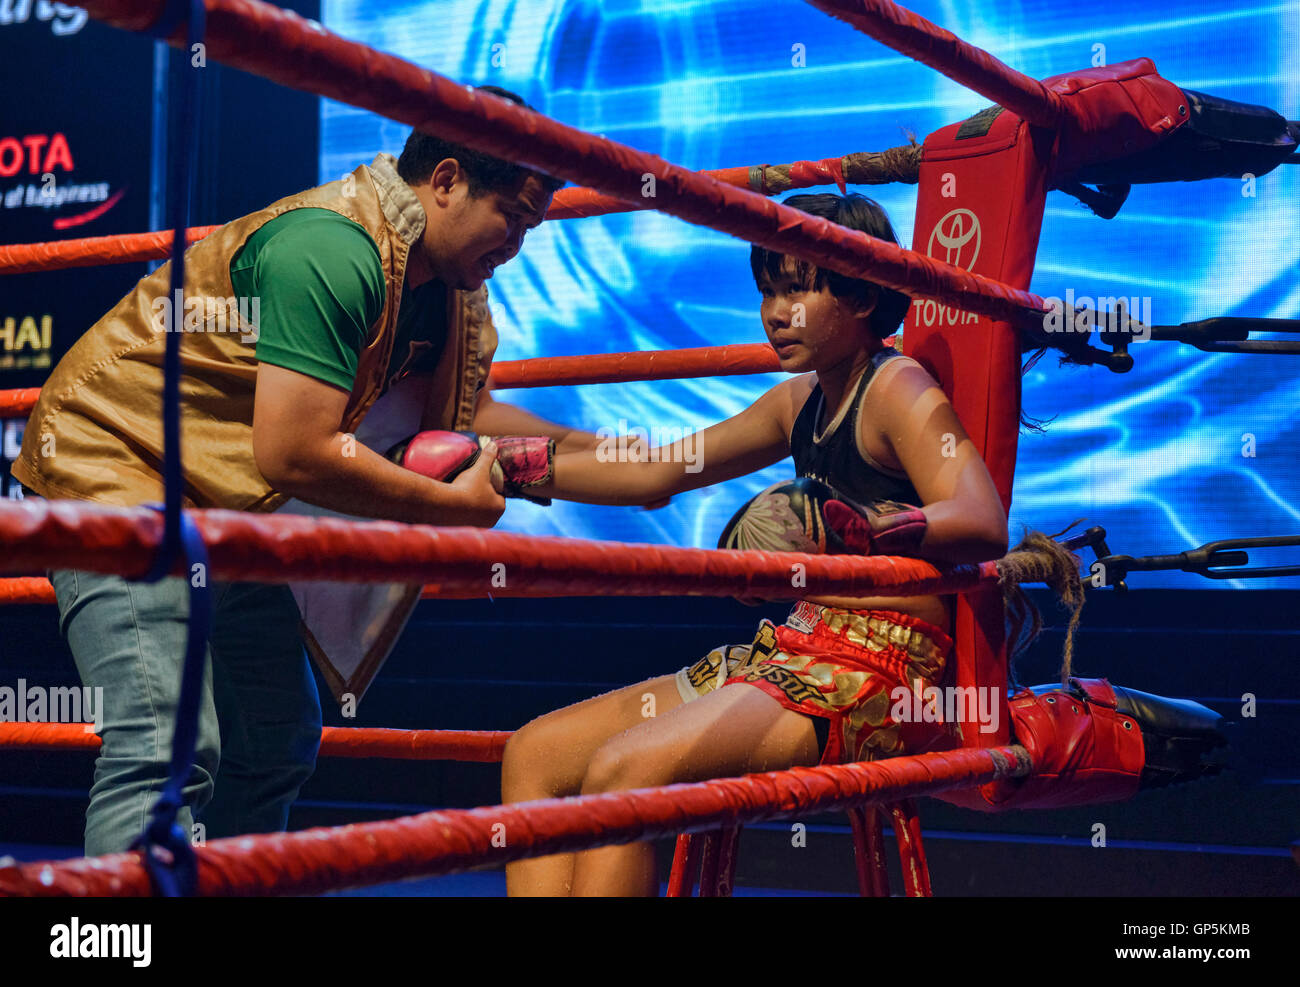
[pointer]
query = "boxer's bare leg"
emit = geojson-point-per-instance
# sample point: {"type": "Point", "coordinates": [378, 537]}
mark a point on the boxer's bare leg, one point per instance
{"type": "Point", "coordinates": [736, 730]}
{"type": "Point", "coordinates": [549, 757]}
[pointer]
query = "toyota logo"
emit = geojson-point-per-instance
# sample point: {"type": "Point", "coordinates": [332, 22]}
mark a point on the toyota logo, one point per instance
{"type": "Point", "coordinates": [958, 233]}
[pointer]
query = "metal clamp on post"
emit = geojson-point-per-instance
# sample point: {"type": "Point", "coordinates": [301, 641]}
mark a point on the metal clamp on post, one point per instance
{"type": "Point", "coordinates": [1226, 559]}
{"type": "Point", "coordinates": [1095, 539]}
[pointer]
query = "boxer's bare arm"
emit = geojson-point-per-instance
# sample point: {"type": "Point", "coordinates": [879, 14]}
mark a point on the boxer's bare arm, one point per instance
{"type": "Point", "coordinates": [914, 420]}
{"type": "Point", "coordinates": [493, 417]}
{"type": "Point", "coordinates": [300, 450]}
{"type": "Point", "coordinates": [756, 438]}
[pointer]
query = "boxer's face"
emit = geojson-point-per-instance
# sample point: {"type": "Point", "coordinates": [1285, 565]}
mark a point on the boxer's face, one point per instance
{"type": "Point", "coordinates": [811, 329]}
{"type": "Point", "coordinates": [474, 235]}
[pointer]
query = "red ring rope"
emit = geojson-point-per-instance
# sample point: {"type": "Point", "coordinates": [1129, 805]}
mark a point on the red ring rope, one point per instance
{"type": "Point", "coordinates": [318, 860]}
{"type": "Point", "coordinates": [26, 590]}
{"type": "Point", "coordinates": [551, 371]}
{"type": "Point", "coordinates": [932, 45]}
{"type": "Point", "coordinates": [569, 203]}
{"type": "Point", "coordinates": [284, 47]}
{"type": "Point", "coordinates": [406, 745]}
{"type": "Point", "coordinates": [41, 534]}
{"type": "Point", "coordinates": [121, 248]}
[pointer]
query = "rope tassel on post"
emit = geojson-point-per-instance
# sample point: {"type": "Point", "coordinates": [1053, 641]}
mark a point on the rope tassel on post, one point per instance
{"type": "Point", "coordinates": [1039, 558]}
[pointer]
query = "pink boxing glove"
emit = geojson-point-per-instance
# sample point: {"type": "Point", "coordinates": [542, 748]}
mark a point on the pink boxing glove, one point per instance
{"type": "Point", "coordinates": [437, 455]}
{"type": "Point", "coordinates": [522, 461]}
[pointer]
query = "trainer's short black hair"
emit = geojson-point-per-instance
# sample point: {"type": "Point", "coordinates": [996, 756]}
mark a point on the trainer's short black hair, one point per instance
{"type": "Point", "coordinates": [485, 173]}
{"type": "Point", "coordinates": [857, 212]}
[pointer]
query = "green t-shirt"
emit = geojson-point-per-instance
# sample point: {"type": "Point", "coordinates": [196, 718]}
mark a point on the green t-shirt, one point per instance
{"type": "Point", "coordinates": [320, 286]}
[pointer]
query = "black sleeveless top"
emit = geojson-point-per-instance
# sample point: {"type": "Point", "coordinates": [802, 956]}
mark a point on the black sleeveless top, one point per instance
{"type": "Point", "coordinates": [834, 458]}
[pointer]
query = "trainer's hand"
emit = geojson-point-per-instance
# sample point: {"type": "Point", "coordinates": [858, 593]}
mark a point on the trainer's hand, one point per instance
{"type": "Point", "coordinates": [483, 504]}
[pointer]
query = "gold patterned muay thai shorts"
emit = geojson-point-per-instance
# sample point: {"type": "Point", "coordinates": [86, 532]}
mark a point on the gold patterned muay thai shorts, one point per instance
{"type": "Point", "coordinates": [845, 668]}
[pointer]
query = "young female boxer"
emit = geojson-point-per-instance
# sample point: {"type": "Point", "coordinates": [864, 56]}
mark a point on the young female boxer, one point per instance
{"type": "Point", "coordinates": [883, 466]}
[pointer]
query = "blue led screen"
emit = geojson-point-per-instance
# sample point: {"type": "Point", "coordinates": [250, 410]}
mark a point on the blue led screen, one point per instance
{"type": "Point", "coordinates": [1187, 448]}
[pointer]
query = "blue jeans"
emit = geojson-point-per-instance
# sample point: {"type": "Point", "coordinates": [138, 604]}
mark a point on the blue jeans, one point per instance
{"type": "Point", "coordinates": [259, 718]}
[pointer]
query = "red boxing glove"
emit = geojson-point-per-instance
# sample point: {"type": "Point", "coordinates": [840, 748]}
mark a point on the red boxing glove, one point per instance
{"type": "Point", "coordinates": [807, 515]}
{"type": "Point", "coordinates": [884, 528]}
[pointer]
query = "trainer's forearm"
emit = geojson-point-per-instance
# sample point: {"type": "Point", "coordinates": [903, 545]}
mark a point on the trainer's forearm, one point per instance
{"type": "Point", "coordinates": [351, 478]}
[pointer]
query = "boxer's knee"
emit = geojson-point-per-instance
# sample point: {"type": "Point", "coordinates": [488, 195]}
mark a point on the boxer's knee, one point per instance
{"type": "Point", "coordinates": [619, 765]}
{"type": "Point", "coordinates": [540, 761]}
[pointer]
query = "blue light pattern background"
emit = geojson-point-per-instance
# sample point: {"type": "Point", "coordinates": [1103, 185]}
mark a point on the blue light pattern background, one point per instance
{"type": "Point", "coordinates": [1156, 456]}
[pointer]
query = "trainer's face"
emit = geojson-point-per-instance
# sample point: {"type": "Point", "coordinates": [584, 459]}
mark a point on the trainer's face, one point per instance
{"type": "Point", "coordinates": [474, 235]}
{"type": "Point", "coordinates": [810, 330]}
